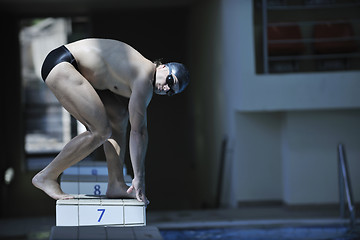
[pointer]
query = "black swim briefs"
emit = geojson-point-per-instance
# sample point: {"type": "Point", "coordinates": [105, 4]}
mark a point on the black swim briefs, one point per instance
{"type": "Point", "coordinates": [56, 56]}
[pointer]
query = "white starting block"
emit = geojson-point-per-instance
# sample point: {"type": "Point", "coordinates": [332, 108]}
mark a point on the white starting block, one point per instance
{"type": "Point", "coordinates": [88, 168]}
{"type": "Point", "coordinates": [88, 178]}
{"type": "Point", "coordinates": [97, 211]}
{"type": "Point", "coordinates": [87, 184]}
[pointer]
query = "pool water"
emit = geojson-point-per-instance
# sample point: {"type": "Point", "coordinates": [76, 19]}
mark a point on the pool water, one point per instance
{"type": "Point", "coordinates": [278, 233]}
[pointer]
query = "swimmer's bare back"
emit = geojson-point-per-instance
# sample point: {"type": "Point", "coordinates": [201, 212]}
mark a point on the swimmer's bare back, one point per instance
{"type": "Point", "coordinates": [111, 64]}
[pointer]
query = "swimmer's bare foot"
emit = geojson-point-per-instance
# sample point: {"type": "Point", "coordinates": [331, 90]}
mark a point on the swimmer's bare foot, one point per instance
{"type": "Point", "coordinates": [50, 187]}
{"type": "Point", "coordinates": [118, 190]}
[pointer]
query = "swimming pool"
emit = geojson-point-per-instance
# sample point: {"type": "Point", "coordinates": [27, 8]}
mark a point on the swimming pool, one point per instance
{"type": "Point", "coordinates": [273, 233]}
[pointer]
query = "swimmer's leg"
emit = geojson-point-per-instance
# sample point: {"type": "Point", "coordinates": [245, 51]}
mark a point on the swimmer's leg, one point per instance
{"type": "Point", "coordinates": [80, 99]}
{"type": "Point", "coordinates": [117, 187]}
{"type": "Point", "coordinates": [115, 147]}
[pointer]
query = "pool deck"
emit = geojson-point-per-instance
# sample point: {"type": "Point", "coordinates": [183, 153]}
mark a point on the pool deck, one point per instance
{"type": "Point", "coordinates": [248, 217]}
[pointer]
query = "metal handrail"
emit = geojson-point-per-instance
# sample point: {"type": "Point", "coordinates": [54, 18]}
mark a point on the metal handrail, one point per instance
{"type": "Point", "coordinates": [345, 187]}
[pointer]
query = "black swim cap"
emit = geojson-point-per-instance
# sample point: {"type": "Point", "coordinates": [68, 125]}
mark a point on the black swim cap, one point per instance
{"type": "Point", "coordinates": [181, 73]}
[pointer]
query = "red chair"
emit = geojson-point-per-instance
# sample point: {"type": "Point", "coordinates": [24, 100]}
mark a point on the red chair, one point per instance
{"type": "Point", "coordinates": [288, 32]}
{"type": "Point", "coordinates": [329, 33]}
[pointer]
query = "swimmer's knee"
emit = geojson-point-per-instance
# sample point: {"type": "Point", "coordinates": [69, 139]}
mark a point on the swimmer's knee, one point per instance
{"type": "Point", "coordinates": [103, 134]}
{"type": "Point", "coordinates": [107, 133]}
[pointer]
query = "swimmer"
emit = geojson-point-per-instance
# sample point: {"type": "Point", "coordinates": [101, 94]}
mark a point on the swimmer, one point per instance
{"type": "Point", "coordinates": [105, 84]}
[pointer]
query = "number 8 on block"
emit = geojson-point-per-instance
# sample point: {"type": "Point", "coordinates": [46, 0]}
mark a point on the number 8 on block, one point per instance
{"type": "Point", "coordinates": [97, 189]}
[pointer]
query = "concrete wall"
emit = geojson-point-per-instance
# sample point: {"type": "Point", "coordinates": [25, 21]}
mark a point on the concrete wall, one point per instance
{"type": "Point", "coordinates": [309, 147]}
{"type": "Point", "coordinates": [292, 156]}
{"type": "Point", "coordinates": [259, 160]}
{"type": "Point", "coordinates": [286, 127]}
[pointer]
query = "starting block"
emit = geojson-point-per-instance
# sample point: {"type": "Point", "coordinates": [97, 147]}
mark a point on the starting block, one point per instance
{"type": "Point", "coordinates": [89, 178]}
{"type": "Point", "coordinates": [97, 211]}
{"type": "Point", "coordinates": [89, 168]}
{"type": "Point", "coordinates": [87, 184]}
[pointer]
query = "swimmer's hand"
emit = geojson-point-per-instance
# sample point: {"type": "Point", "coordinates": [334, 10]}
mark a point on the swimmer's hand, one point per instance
{"type": "Point", "coordinates": [139, 188]}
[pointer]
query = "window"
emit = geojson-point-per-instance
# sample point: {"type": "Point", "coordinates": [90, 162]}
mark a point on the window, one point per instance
{"type": "Point", "coordinates": [307, 35]}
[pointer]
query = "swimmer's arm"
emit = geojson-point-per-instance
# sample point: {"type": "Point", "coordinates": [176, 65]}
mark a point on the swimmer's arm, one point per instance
{"type": "Point", "coordinates": [138, 137]}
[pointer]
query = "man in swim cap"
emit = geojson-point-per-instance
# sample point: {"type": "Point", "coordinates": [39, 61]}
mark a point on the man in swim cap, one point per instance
{"type": "Point", "coordinates": [104, 84]}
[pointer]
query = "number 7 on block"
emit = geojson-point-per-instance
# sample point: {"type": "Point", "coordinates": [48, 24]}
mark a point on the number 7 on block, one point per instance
{"type": "Point", "coordinates": [102, 214]}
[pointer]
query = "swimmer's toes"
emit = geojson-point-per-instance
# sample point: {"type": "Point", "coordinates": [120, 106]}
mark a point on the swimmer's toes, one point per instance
{"type": "Point", "coordinates": [66, 197]}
